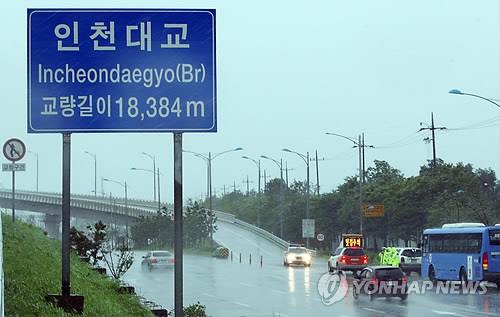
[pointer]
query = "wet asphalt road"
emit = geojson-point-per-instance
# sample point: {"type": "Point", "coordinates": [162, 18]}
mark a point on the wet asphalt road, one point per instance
{"type": "Point", "coordinates": [231, 288]}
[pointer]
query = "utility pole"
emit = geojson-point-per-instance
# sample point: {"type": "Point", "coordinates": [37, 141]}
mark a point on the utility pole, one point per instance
{"type": "Point", "coordinates": [159, 199]}
{"type": "Point", "coordinates": [361, 176]}
{"type": "Point", "coordinates": [286, 172]}
{"type": "Point", "coordinates": [432, 128]}
{"type": "Point", "coordinates": [248, 185]}
{"type": "Point", "coordinates": [363, 147]}
{"type": "Point", "coordinates": [265, 180]}
{"type": "Point", "coordinates": [317, 175]}
{"type": "Point", "coordinates": [282, 213]}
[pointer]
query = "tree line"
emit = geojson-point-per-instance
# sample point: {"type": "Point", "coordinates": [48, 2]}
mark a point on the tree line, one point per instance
{"type": "Point", "coordinates": [439, 194]}
{"type": "Point", "coordinates": [157, 230]}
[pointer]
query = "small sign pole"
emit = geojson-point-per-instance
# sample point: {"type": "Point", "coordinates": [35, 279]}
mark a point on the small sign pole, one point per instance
{"type": "Point", "coordinates": [13, 194]}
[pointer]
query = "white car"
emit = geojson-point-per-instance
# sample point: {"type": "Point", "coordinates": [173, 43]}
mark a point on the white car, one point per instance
{"type": "Point", "coordinates": [298, 256]}
{"type": "Point", "coordinates": [410, 259]}
{"type": "Point", "coordinates": [157, 260]}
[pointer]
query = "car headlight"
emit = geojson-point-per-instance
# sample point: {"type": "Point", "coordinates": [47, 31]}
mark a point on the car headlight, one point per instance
{"type": "Point", "coordinates": [307, 257]}
{"type": "Point", "coordinates": [290, 257]}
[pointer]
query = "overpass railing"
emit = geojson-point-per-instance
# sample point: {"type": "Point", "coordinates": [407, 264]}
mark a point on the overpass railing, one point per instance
{"type": "Point", "coordinates": [56, 199]}
{"type": "Point", "coordinates": [227, 217]}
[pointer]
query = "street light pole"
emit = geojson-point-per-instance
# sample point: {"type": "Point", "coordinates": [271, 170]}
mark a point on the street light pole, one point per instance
{"type": "Point", "coordinates": [208, 159]}
{"type": "Point", "coordinates": [360, 145]}
{"type": "Point", "coordinates": [282, 213]}
{"type": "Point", "coordinates": [94, 156]}
{"type": "Point", "coordinates": [157, 174]}
{"type": "Point", "coordinates": [124, 185]}
{"type": "Point", "coordinates": [458, 92]}
{"type": "Point", "coordinates": [257, 163]}
{"type": "Point", "coordinates": [153, 158]}
{"type": "Point", "coordinates": [210, 196]}
{"type": "Point", "coordinates": [305, 158]}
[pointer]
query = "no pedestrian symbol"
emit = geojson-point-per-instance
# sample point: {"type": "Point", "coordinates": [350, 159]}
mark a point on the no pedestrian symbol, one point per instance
{"type": "Point", "coordinates": [14, 150]}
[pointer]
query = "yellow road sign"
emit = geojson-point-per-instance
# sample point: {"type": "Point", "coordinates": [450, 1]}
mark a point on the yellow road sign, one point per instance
{"type": "Point", "coordinates": [373, 211]}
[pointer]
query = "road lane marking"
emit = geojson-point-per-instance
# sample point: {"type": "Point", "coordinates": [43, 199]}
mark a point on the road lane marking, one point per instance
{"type": "Point", "coordinates": [375, 310]}
{"type": "Point", "coordinates": [439, 312]}
{"type": "Point", "coordinates": [241, 304]}
{"type": "Point", "coordinates": [466, 309]}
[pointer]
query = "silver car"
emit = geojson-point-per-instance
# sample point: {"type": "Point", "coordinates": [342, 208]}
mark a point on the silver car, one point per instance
{"type": "Point", "coordinates": [157, 260]}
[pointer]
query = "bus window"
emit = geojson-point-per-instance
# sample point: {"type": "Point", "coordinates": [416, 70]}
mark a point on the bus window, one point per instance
{"type": "Point", "coordinates": [494, 237]}
{"type": "Point", "coordinates": [456, 243]}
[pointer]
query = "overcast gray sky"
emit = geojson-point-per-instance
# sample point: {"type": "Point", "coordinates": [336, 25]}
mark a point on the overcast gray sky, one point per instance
{"type": "Point", "coordinates": [287, 72]}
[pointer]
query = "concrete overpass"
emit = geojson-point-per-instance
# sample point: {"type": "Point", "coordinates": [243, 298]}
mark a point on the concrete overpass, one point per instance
{"type": "Point", "coordinates": [108, 210]}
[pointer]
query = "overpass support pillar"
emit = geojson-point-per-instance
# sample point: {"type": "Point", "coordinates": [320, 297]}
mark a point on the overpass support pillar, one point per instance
{"type": "Point", "coordinates": [53, 225]}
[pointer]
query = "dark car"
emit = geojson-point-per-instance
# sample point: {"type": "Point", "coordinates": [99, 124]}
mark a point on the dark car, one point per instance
{"type": "Point", "coordinates": [380, 281]}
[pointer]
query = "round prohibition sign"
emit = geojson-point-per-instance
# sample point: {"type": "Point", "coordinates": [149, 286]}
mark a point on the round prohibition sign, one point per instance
{"type": "Point", "coordinates": [14, 149]}
{"type": "Point", "coordinates": [320, 237]}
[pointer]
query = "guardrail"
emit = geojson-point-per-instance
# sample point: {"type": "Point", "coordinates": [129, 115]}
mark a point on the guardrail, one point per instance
{"type": "Point", "coordinates": [131, 201]}
{"type": "Point", "coordinates": [227, 217]}
{"type": "Point", "coordinates": [56, 199]}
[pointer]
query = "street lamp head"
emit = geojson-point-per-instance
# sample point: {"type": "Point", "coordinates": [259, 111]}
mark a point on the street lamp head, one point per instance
{"type": "Point", "coordinates": [287, 150]}
{"type": "Point", "coordinates": [265, 157]}
{"type": "Point", "coordinates": [245, 157]}
{"type": "Point", "coordinates": [238, 149]}
{"type": "Point", "coordinates": [455, 92]}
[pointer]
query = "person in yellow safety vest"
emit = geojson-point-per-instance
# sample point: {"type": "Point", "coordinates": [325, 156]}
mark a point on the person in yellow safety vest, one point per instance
{"type": "Point", "coordinates": [389, 256]}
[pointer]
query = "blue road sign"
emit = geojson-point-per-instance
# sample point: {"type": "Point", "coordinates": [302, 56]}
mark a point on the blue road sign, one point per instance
{"type": "Point", "coordinates": [120, 70]}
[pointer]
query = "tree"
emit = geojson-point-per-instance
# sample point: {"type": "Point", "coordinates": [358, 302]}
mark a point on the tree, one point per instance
{"type": "Point", "coordinates": [118, 260]}
{"type": "Point", "coordinates": [89, 247]}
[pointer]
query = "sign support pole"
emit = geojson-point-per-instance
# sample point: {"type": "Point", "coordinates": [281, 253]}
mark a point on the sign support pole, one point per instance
{"type": "Point", "coordinates": [13, 194]}
{"type": "Point", "coordinates": [178, 241]}
{"type": "Point", "coordinates": [70, 303]}
{"type": "Point", "coordinates": [66, 189]}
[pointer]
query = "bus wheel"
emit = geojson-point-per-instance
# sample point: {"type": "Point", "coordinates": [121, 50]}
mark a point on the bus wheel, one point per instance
{"type": "Point", "coordinates": [462, 276]}
{"type": "Point", "coordinates": [432, 275]}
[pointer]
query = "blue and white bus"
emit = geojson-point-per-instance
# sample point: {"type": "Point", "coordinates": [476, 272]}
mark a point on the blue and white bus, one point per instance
{"type": "Point", "coordinates": [461, 252]}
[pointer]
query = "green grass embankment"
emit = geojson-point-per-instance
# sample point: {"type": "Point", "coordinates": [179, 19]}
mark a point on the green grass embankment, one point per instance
{"type": "Point", "coordinates": [32, 269]}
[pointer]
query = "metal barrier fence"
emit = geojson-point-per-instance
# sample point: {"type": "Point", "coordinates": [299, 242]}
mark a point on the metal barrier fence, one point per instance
{"type": "Point", "coordinates": [80, 201]}
{"type": "Point", "coordinates": [227, 217]}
